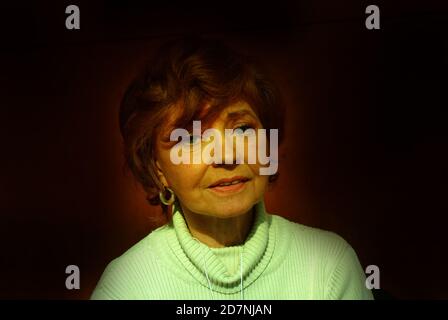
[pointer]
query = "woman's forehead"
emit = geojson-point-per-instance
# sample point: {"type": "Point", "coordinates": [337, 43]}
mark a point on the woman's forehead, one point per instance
{"type": "Point", "coordinates": [208, 116]}
{"type": "Point", "coordinates": [236, 111]}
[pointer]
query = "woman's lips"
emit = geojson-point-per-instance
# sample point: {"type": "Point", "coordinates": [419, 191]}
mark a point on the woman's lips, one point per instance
{"type": "Point", "coordinates": [229, 185]}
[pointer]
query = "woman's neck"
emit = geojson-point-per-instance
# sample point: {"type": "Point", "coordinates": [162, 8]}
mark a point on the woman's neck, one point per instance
{"type": "Point", "coordinates": [219, 232]}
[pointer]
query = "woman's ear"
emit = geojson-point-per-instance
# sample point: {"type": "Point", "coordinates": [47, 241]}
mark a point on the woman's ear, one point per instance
{"type": "Point", "coordinates": [160, 174]}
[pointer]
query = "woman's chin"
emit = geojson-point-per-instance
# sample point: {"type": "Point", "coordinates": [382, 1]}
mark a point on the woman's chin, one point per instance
{"type": "Point", "coordinates": [230, 210]}
{"type": "Point", "coordinates": [223, 204]}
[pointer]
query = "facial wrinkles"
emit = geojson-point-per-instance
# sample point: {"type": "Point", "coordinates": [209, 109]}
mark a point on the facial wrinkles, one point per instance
{"type": "Point", "coordinates": [228, 120]}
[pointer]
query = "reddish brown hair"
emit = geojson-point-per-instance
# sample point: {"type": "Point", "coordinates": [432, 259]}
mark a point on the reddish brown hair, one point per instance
{"type": "Point", "coordinates": [184, 76]}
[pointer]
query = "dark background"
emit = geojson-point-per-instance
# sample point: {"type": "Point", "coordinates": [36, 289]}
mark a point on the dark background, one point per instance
{"type": "Point", "coordinates": [365, 153]}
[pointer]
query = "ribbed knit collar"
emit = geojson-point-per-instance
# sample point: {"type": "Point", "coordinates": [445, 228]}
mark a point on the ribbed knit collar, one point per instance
{"type": "Point", "coordinates": [197, 257]}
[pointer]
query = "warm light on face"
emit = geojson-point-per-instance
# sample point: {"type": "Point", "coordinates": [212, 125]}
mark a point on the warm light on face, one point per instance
{"type": "Point", "coordinates": [224, 170]}
{"type": "Point", "coordinates": [241, 146]}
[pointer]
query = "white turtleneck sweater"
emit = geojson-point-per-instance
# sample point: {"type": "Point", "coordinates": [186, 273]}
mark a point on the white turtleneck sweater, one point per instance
{"type": "Point", "coordinates": [279, 259]}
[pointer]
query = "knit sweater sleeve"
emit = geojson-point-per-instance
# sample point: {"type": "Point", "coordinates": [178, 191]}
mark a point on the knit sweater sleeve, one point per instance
{"type": "Point", "coordinates": [109, 284]}
{"type": "Point", "coordinates": [347, 281]}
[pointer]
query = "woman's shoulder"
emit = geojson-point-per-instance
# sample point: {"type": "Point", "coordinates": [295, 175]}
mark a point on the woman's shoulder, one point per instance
{"type": "Point", "coordinates": [306, 232]}
{"type": "Point", "coordinates": [124, 273]}
{"type": "Point", "coordinates": [310, 239]}
{"type": "Point", "coordinates": [319, 251]}
{"type": "Point", "coordinates": [145, 249]}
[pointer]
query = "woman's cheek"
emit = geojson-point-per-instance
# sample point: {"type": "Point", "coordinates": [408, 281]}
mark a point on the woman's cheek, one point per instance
{"type": "Point", "coordinates": [263, 183]}
{"type": "Point", "coordinates": [187, 177]}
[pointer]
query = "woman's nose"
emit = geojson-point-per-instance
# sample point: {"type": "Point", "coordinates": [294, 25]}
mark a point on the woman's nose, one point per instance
{"type": "Point", "coordinates": [229, 155]}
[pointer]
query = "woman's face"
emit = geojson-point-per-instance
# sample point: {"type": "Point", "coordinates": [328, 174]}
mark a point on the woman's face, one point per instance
{"type": "Point", "coordinates": [195, 185]}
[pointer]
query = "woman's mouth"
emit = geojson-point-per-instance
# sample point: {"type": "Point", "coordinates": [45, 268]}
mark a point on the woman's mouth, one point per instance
{"type": "Point", "coordinates": [230, 185]}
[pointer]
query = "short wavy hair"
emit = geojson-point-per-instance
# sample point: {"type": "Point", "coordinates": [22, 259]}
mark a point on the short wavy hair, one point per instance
{"type": "Point", "coordinates": [188, 74]}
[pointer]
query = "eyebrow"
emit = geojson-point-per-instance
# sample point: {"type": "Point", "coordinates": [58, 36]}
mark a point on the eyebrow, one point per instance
{"type": "Point", "coordinates": [238, 114]}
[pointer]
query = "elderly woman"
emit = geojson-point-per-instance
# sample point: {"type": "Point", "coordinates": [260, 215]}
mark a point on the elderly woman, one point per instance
{"type": "Point", "coordinates": [219, 241]}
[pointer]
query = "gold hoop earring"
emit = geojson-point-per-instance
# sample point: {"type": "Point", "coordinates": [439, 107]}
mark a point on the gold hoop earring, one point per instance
{"type": "Point", "coordinates": [165, 201]}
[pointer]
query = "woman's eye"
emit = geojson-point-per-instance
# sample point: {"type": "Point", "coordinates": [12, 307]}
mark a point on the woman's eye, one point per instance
{"type": "Point", "coordinates": [244, 127]}
{"type": "Point", "coordinates": [194, 139]}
